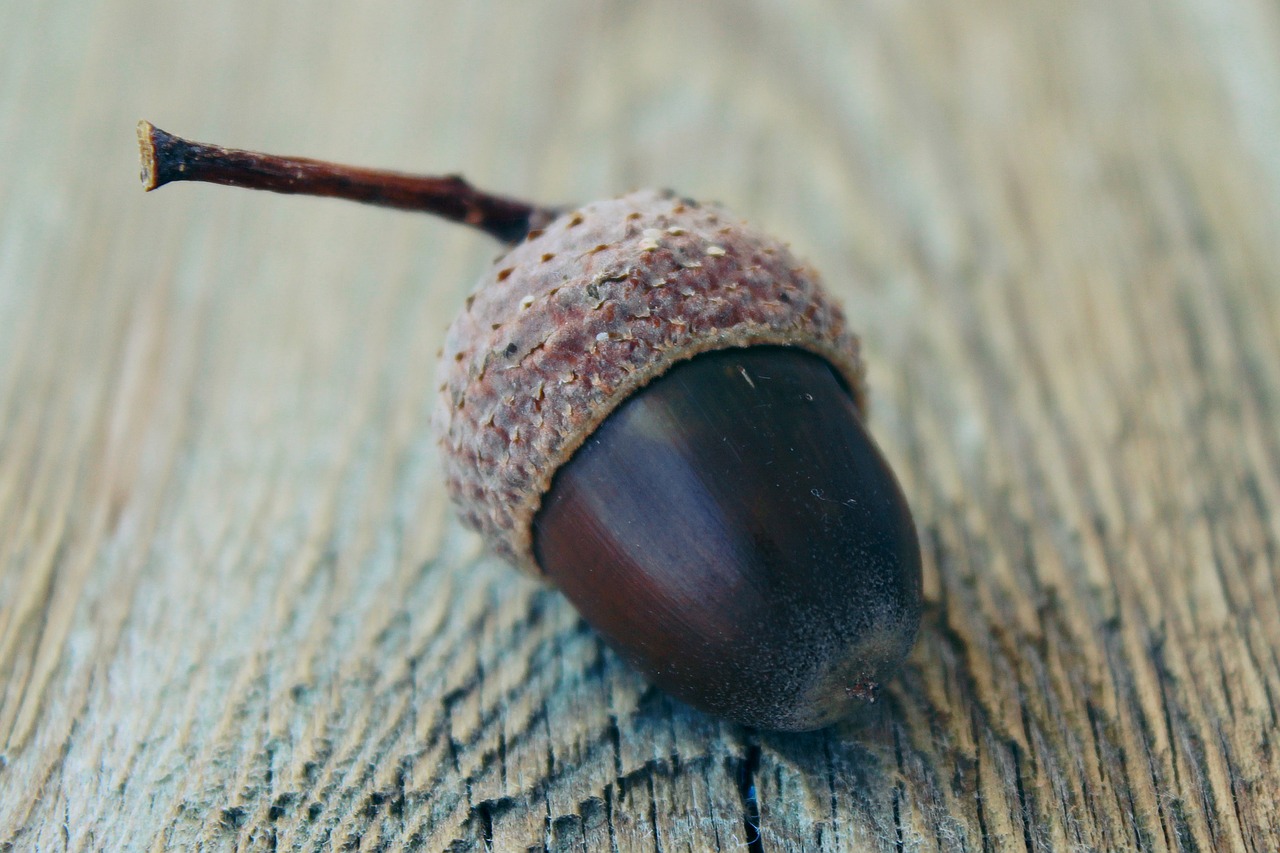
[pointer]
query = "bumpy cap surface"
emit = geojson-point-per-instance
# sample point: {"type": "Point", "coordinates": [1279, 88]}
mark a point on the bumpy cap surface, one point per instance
{"type": "Point", "coordinates": [576, 318]}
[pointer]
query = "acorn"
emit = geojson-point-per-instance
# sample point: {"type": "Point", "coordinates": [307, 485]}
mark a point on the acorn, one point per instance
{"type": "Point", "coordinates": [659, 410]}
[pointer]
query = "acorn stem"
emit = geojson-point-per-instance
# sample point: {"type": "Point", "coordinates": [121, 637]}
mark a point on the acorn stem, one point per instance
{"type": "Point", "coordinates": [167, 158]}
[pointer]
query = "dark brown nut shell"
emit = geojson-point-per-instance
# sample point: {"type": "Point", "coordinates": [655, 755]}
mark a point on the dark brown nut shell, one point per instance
{"type": "Point", "coordinates": [576, 318]}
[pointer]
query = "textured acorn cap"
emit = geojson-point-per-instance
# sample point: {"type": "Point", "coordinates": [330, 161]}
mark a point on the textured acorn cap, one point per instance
{"type": "Point", "coordinates": [580, 315]}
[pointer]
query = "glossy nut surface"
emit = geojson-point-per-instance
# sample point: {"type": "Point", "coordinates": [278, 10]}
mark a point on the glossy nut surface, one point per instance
{"type": "Point", "coordinates": [733, 531]}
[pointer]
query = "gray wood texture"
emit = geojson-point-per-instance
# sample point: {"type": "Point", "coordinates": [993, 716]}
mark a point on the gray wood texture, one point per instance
{"type": "Point", "coordinates": [236, 612]}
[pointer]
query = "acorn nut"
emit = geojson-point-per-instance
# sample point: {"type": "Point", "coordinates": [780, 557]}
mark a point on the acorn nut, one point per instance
{"type": "Point", "coordinates": [659, 409]}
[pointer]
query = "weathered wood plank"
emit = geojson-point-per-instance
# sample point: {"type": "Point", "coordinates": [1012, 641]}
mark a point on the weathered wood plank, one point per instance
{"type": "Point", "coordinates": [237, 613]}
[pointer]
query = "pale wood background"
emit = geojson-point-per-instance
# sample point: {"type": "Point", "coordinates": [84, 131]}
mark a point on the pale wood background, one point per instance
{"type": "Point", "coordinates": [237, 613]}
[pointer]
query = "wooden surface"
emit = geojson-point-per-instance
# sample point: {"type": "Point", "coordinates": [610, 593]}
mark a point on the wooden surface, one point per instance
{"type": "Point", "coordinates": [236, 611]}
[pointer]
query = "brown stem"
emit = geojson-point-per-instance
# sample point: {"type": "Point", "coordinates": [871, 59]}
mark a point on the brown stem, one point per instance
{"type": "Point", "coordinates": [167, 158]}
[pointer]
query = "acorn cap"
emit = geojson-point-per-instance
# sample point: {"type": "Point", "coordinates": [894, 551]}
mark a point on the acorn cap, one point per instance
{"type": "Point", "coordinates": [582, 314]}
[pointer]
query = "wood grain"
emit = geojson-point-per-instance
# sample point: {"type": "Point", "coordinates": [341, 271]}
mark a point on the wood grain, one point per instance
{"type": "Point", "coordinates": [236, 611]}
